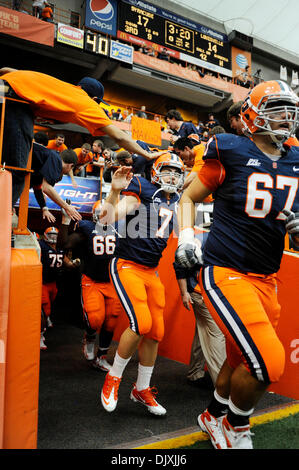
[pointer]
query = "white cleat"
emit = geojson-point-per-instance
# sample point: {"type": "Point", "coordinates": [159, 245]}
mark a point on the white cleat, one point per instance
{"type": "Point", "coordinates": [43, 345]}
{"type": "Point", "coordinates": [109, 394]}
{"type": "Point", "coordinates": [147, 397]}
{"type": "Point", "coordinates": [212, 426]}
{"type": "Point", "coordinates": [88, 349]}
{"type": "Point", "coordinates": [238, 437]}
{"type": "Point", "coordinates": [49, 323]}
{"type": "Point", "coordinates": [101, 364]}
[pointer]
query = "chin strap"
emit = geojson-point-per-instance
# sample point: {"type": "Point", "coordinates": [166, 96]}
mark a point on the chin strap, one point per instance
{"type": "Point", "coordinates": [161, 189]}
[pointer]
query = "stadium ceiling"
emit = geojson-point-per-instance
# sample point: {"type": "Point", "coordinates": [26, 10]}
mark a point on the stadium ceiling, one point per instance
{"type": "Point", "coordinates": [275, 22]}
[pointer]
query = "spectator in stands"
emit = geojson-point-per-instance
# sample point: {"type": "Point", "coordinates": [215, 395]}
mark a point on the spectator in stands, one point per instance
{"type": "Point", "coordinates": [124, 158]}
{"type": "Point", "coordinates": [179, 128]}
{"type": "Point", "coordinates": [142, 114]}
{"type": "Point", "coordinates": [84, 156]}
{"type": "Point", "coordinates": [110, 164]}
{"type": "Point", "coordinates": [257, 77]}
{"type": "Point", "coordinates": [211, 122]}
{"type": "Point", "coordinates": [37, 8]}
{"type": "Point", "coordinates": [117, 116]}
{"type": "Point", "coordinates": [244, 79]}
{"type": "Point", "coordinates": [142, 48]}
{"type": "Point", "coordinates": [234, 118]}
{"type": "Point", "coordinates": [16, 4]}
{"type": "Point", "coordinates": [93, 168]}
{"type": "Point", "coordinates": [48, 168]}
{"type": "Point", "coordinates": [129, 116]}
{"type": "Point", "coordinates": [164, 55]}
{"type": "Point", "coordinates": [47, 13]}
{"type": "Point", "coordinates": [150, 50]}
{"type": "Point", "coordinates": [57, 144]}
{"type": "Point", "coordinates": [29, 94]}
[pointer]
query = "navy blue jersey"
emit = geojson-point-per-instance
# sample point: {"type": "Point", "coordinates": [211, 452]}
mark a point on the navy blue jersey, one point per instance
{"type": "Point", "coordinates": [47, 164]}
{"type": "Point", "coordinates": [248, 230]}
{"type": "Point", "coordinates": [146, 231]}
{"type": "Point", "coordinates": [98, 249]}
{"type": "Point", "coordinates": [51, 260]}
{"type": "Point", "coordinates": [186, 129]}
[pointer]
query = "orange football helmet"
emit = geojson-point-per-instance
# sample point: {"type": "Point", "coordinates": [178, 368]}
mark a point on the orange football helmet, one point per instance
{"type": "Point", "coordinates": [265, 104]}
{"type": "Point", "coordinates": [168, 160]}
{"type": "Point", "coordinates": [51, 235]}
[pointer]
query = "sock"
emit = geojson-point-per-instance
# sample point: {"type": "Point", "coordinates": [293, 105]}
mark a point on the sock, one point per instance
{"type": "Point", "coordinates": [105, 338]}
{"type": "Point", "coordinates": [237, 417]}
{"type": "Point", "coordinates": [119, 365]}
{"type": "Point", "coordinates": [144, 377]}
{"type": "Point", "coordinates": [218, 406]}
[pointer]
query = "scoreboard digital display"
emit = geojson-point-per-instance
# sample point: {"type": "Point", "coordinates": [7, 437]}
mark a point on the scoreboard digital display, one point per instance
{"type": "Point", "coordinates": [148, 23]}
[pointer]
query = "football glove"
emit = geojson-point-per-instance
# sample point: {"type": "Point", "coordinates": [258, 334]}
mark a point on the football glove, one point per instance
{"type": "Point", "coordinates": [66, 218]}
{"type": "Point", "coordinates": [292, 224]}
{"type": "Point", "coordinates": [189, 251]}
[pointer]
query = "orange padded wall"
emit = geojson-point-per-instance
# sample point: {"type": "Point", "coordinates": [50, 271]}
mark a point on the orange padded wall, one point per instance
{"type": "Point", "coordinates": [23, 351]}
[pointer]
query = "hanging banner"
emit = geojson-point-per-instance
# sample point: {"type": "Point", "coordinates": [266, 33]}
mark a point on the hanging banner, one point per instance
{"type": "Point", "coordinates": [240, 60]}
{"type": "Point", "coordinates": [101, 15]}
{"type": "Point", "coordinates": [70, 35]}
{"type": "Point", "coordinates": [26, 27]}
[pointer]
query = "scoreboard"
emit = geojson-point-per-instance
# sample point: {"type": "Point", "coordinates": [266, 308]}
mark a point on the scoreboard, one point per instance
{"type": "Point", "coordinates": [145, 21]}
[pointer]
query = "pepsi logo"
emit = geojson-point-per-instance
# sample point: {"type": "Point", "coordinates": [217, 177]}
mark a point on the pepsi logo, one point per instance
{"type": "Point", "coordinates": [102, 9]}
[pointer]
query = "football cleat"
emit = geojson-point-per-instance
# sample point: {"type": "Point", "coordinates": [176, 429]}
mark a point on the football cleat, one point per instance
{"type": "Point", "coordinates": [43, 345]}
{"type": "Point", "coordinates": [88, 348]}
{"type": "Point", "coordinates": [147, 397]}
{"type": "Point", "coordinates": [212, 426]}
{"type": "Point", "coordinates": [238, 437]}
{"type": "Point", "coordinates": [49, 323]}
{"type": "Point", "coordinates": [101, 364]}
{"type": "Point", "coordinates": [109, 394]}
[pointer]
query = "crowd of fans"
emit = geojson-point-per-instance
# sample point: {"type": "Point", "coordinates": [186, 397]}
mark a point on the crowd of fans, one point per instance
{"type": "Point", "coordinates": [40, 8]}
{"type": "Point", "coordinates": [244, 79]}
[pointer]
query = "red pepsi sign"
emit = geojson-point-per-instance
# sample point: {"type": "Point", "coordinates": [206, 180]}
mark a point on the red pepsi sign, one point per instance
{"type": "Point", "coordinates": [101, 15]}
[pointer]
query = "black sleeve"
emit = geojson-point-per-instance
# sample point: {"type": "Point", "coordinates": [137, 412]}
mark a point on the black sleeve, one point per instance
{"type": "Point", "coordinates": [40, 198]}
{"type": "Point", "coordinates": [180, 272]}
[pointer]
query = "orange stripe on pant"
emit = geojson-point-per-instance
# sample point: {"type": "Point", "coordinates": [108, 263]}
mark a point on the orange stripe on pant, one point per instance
{"type": "Point", "coordinates": [49, 292]}
{"type": "Point", "coordinates": [100, 304]}
{"type": "Point", "coordinates": [246, 309]}
{"type": "Point", "coordinates": [142, 295]}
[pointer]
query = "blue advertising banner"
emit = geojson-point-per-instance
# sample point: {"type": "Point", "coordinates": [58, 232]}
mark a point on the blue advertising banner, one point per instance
{"type": "Point", "coordinates": [101, 15]}
{"type": "Point", "coordinates": [121, 52]}
{"type": "Point", "coordinates": [82, 197]}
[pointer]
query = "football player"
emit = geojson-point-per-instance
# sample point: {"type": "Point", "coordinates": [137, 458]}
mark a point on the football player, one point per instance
{"type": "Point", "coordinates": [52, 259]}
{"type": "Point", "coordinates": [255, 181]}
{"type": "Point", "coordinates": [100, 303]}
{"type": "Point", "coordinates": [148, 209]}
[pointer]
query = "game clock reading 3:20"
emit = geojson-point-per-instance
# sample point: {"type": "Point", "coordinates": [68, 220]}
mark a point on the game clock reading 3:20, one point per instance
{"type": "Point", "coordinates": [152, 27]}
